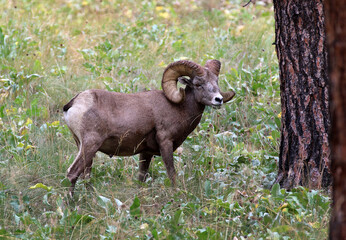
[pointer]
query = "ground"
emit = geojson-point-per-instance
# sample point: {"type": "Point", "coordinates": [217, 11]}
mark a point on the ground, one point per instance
{"type": "Point", "coordinates": [51, 50]}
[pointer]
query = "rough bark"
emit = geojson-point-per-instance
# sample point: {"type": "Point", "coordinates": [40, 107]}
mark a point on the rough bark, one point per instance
{"type": "Point", "coordinates": [301, 49]}
{"type": "Point", "coordinates": [336, 32]}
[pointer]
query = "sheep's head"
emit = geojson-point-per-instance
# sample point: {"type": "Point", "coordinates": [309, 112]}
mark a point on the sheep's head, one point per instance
{"type": "Point", "coordinates": [203, 80]}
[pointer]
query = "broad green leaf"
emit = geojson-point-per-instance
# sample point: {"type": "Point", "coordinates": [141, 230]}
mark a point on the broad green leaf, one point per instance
{"type": "Point", "coordinates": [135, 208]}
{"type": "Point", "coordinates": [275, 192]}
{"type": "Point", "coordinates": [207, 188]}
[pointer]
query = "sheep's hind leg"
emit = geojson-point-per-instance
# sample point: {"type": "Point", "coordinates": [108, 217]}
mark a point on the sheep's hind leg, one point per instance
{"type": "Point", "coordinates": [144, 162]}
{"type": "Point", "coordinates": [82, 164]}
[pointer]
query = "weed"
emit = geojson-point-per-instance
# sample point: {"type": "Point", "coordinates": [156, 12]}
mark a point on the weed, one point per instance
{"type": "Point", "coordinates": [50, 50]}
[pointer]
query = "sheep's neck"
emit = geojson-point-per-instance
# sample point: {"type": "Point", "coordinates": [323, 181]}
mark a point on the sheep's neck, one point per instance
{"type": "Point", "coordinates": [192, 112]}
{"type": "Point", "coordinates": [193, 107]}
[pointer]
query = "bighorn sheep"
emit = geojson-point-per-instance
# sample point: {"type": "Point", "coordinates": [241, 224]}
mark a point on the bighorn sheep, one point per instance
{"type": "Point", "coordinates": [149, 123]}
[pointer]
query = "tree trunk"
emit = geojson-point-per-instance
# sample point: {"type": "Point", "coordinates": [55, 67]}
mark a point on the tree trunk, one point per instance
{"type": "Point", "coordinates": [301, 49]}
{"type": "Point", "coordinates": [336, 30]}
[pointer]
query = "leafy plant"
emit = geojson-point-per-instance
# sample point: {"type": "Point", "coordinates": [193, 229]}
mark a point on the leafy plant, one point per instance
{"type": "Point", "coordinates": [226, 168]}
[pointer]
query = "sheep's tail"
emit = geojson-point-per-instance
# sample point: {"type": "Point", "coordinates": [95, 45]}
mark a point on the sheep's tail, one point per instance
{"type": "Point", "coordinates": [69, 104]}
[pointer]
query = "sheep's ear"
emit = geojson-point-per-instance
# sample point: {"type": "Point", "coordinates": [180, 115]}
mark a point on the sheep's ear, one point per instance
{"type": "Point", "coordinates": [185, 81]}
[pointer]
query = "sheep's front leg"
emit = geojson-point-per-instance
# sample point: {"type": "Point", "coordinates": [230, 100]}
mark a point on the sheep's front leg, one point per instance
{"type": "Point", "coordinates": [144, 162]}
{"type": "Point", "coordinates": [166, 149]}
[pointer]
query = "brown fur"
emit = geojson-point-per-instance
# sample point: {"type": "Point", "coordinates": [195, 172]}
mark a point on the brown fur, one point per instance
{"type": "Point", "coordinates": [144, 123]}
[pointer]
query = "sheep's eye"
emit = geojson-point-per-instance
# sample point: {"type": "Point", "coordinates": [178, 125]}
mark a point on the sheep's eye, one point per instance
{"type": "Point", "coordinates": [198, 84]}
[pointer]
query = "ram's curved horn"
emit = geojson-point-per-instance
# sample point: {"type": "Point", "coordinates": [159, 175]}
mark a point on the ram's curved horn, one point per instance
{"type": "Point", "coordinates": [227, 96]}
{"type": "Point", "coordinates": [171, 74]}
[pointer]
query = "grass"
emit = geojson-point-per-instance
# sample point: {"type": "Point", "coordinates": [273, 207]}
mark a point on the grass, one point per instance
{"type": "Point", "coordinates": [50, 50]}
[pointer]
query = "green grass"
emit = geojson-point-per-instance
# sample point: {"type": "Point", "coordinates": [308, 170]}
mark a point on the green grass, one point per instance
{"type": "Point", "coordinates": [50, 50]}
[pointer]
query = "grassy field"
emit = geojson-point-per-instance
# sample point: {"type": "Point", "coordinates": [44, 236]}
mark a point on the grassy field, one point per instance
{"type": "Point", "coordinates": [51, 50]}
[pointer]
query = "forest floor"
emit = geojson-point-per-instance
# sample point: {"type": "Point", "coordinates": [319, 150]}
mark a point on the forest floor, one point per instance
{"type": "Point", "coordinates": [51, 50]}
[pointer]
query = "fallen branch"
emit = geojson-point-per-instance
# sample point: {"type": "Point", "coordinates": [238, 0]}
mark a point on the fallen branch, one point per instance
{"type": "Point", "coordinates": [247, 3]}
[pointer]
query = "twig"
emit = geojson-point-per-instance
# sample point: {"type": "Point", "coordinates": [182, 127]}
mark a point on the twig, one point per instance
{"type": "Point", "coordinates": [247, 3]}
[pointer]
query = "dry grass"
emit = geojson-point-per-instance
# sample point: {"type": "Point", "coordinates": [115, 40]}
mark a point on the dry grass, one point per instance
{"type": "Point", "coordinates": [226, 165]}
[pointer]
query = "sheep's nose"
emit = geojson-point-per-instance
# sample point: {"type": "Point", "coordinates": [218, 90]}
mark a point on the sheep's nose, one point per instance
{"type": "Point", "coordinates": [218, 100]}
